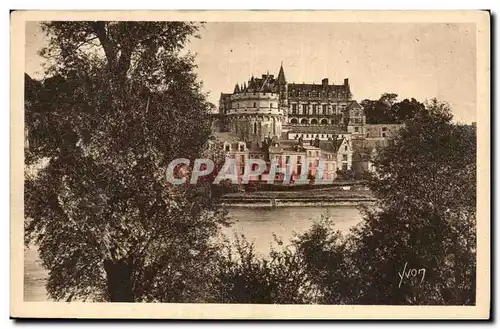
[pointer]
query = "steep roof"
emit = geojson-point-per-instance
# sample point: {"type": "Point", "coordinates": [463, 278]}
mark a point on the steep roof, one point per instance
{"type": "Point", "coordinates": [266, 83]}
{"type": "Point", "coordinates": [317, 87]}
{"type": "Point", "coordinates": [317, 130]}
{"type": "Point", "coordinates": [281, 75]}
{"type": "Point", "coordinates": [354, 105]}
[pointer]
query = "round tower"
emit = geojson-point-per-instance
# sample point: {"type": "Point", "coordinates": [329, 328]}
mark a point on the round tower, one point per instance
{"type": "Point", "coordinates": [255, 115]}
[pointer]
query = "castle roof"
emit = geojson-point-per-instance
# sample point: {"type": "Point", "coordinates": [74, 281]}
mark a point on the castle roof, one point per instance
{"type": "Point", "coordinates": [308, 87]}
{"type": "Point", "coordinates": [267, 83]}
{"type": "Point", "coordinates": [317, 130]}
{"type": "Point", "coordinates": [281, 75]}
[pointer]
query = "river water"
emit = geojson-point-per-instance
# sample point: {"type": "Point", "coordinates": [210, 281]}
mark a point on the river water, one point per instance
{"type": "Point", "coordinates": [257, 224]}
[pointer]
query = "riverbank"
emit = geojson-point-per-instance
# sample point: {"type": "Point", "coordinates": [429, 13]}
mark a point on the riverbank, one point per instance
{"type": "Point", "coordinates": [321, 197]}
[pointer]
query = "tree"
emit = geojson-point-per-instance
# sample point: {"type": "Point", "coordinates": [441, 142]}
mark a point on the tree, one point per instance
{"type": "Point", "coordinates": [388, 110]}
{"type": "Point", "coordinates": [377, 111]}
{"type": "Point", "coordinates": [406, 110]}
{"type": "Point", "coordinates": [425, 220]}
{"type": "Point", "coordinates": [426, 185]}
{"type": "Point", "coordinates": [120, 103]}
{"type": "Point", "coordinates": [390, 98]}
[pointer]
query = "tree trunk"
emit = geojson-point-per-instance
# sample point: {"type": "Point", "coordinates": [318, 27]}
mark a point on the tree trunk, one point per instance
{"type": "Point", "coordinates": [119, 280]}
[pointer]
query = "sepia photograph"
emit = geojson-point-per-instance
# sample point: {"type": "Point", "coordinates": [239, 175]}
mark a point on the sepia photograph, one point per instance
{"type": "Point", "coordinates": [250, 164]}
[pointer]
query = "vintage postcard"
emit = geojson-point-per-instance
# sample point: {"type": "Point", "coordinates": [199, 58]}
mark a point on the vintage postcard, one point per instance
{"type": "Point", "coordinates": [250, 164]}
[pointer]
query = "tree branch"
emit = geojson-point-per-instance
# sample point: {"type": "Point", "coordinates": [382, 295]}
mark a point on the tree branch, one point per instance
{"type": "Point", "coordinates": [86, 41]}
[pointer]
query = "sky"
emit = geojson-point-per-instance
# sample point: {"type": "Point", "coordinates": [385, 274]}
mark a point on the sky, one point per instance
{"type": "Point", "coordinates": [417, 60]}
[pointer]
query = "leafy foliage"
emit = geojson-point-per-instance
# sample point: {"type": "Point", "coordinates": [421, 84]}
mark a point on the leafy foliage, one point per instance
{"type": "Point", "coordinates": [243, 276]}
{"type": "Point", "coordinates": [388, 110]}
{"type": "Point", "coordinates": [119, 104]}
{"type": "Point", "coordinates": [425, 219]}
{"type": "Point", "coordinates": [426, 184]}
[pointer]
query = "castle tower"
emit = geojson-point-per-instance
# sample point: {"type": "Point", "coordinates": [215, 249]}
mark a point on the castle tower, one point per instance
{"type": "Point", "coordinates": [255, 111]}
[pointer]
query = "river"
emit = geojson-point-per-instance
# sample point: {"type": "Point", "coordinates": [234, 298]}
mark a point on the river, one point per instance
{"type": "Point", "coordinates": [257, 224]}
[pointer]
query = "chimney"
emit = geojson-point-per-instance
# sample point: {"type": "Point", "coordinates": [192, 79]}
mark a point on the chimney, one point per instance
{"type": "Point", "coordinates": [324, 82]}
{"type": "Point", "coordinates": [346, 81]}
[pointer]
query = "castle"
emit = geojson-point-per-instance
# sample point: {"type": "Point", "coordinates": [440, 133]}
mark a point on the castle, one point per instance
{"type": "Point", "coordinates": [272, 106]}
{"type": "Point", "coordinates": [268, 117]}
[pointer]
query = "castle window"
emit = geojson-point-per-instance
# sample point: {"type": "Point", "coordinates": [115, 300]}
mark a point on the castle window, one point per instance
{"type": "Point", "coordinates": [344, 157]}
{"type": "Point", "coordinates": [227, 148]}
{"type": "Point", "coordinates": [345, 148]}
{"type": "Point", "coordinates": [356, 129]}
{"type": "Point", "coordinates": [255, 128]}
{"type": "Point", "coordinates": [254, 104]}
{"type": "Point", "coordinates": [242, 147]}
